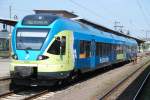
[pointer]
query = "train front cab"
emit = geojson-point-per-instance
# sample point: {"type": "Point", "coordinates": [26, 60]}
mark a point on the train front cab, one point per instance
{"type": "Point", "coordinates": [54, 64]}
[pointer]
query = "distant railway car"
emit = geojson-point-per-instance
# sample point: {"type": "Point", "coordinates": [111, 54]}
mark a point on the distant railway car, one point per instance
{"type": "Point", "coordinates": [4, 44]}
{"type": "Point", "coordinates": [48, 49]}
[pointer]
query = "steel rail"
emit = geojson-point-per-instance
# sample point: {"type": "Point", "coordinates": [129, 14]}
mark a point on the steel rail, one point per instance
{"type": "Point", "coordinates": [122, 81]}
{"type": "Point", "coordinates": [6, 94]}
{"type": "Point", "coordinates": [34, 96]}
{"type": "Point", "coordinates": [141, 87]}
{"type": "Point", "coordinates": [37, 95]}
{"type": "Point", "coordinates": [5, 78]}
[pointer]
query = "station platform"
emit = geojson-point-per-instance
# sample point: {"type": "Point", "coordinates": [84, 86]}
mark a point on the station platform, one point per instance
{"type": "Point", "coordinates": [4, 67]}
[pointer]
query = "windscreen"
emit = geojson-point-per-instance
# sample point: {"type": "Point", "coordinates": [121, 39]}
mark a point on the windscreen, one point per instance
{"type": "Point", "coordinates": [31, 39]}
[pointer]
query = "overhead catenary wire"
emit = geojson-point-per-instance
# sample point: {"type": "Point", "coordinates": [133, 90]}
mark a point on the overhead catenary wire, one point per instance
{"type": "Point", "coordinates": [140, 36]}
{"type": "Point", "coordinates": [90, 11]}
{"type": "Point", "coordinates": [143, 13]}
{"type": "Point", "coordinates": [145, 9]}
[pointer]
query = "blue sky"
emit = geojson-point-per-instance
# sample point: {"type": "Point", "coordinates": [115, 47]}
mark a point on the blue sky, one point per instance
{"type": "Point", "coordinates": [134, 15]}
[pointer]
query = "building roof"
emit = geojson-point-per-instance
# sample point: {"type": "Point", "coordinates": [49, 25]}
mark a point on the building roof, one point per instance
{"type": "Point", "coordinates": [8, 22]}
{"type": "Point", "coordinates": [63, 13]}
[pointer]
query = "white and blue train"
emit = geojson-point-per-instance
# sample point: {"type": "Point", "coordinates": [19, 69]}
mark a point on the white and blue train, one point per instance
{"type": "Point", "coordinates": [48, 48]}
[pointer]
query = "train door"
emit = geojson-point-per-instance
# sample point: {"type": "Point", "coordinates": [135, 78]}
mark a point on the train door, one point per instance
{"type": "Point", "coordinates": [92, 60]}
{"type": "Point", "coordinates": [60, 51]}
{"type": "Point", "coordinates": [66, 52]}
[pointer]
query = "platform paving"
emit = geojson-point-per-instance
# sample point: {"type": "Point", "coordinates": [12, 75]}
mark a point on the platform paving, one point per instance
{"type": "Point", "coordinates": [4, 67]}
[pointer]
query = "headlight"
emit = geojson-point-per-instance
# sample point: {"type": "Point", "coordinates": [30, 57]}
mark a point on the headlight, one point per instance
{"type": "Point", "coordinates": [14, 56]}
{"type": "Point", "coordinates": [42, 57]}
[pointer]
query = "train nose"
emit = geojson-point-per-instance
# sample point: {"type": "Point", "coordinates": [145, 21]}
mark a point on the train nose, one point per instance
{"type": "Point", "coordinates": [24, 71]}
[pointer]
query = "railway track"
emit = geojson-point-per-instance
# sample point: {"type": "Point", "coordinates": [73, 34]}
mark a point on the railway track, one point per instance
{"type": "Point", "coordinates": [141, 87]}
{"type": "Point", "coordinates": [30, 94]}
{"type": "Point", "coordinates": [5, 79]}
{"type": "Point", "coordinates": [114, 89]}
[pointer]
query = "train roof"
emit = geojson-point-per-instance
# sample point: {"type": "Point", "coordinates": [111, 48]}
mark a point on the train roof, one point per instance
{"type": "Point", "coordinates": [98, 26]}
{"type": "Point", "coordinates": [87, 32]}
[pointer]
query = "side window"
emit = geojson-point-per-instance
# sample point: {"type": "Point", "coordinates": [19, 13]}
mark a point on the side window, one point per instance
{"type": "Point", "coordinates": [109, 49]}
{"type": "Point", "coordinates": [55, 47]}
{"type": "Point", "coordinates": [88, 46]}
{"type": "Point", "coordinates": [117, 48]}
{"type": "Point", "coordinates": [99, 49]}
{"type": "Point", "coordinates": [104, 48]}
{"type": "Point", "coordinates": [58, 46]}
{"type": "Point", "coordinates": [63, 45]}
{"type": "Point", "coordinates": [81, 47]}
{"type": "Point", "coordinates": [4, 44]}
{"type": "Point", "coordinates": [85, 49]}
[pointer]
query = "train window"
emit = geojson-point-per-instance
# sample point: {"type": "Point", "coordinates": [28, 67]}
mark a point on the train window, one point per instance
{"type": "Point", "coordinates": [58, 46]}
{"type": "Point", "coordinates": [103, 49]}
{"type": "Point", "coordinates": [85, 49]}
{"type": "Point", "coordinates": [104, 46]}
{"type": "Point", "coordinates": [109, 49]}
{"type": "Point", "coordinates": [63, 45]}
{"type": "Point", "coordinates": [31, 38]}
{"type": "Point", "coordinates": [4, 44]}
{"type": "Point", "coordinates": [119, 49]}
{"type": "Point", "coordinates": [55, 47]}
{"type": "Point", "coordinates": [81, 47]}
{"type": "Point", "coordinates": [99, 49]}
{"type": "Point", "coordinates": [88, 45]}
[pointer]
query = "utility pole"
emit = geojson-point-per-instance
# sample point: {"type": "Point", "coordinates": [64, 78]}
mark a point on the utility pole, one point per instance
{"type": "Point", "coordinates": [146, 32]}
{"type": "Point", "coordinates": [10, 11]}
{"type": "Point", "coordinates": [117, 25]}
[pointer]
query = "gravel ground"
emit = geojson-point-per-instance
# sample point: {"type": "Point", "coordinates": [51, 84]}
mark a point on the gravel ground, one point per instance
{"type": "Point", "coordinates": [94, 88]}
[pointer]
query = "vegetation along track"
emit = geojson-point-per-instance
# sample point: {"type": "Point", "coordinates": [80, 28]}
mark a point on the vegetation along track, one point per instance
{"type": "Point", "coordinates": [114, 89]}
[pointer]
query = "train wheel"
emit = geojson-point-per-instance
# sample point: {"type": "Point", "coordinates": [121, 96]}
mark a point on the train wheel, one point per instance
{"type": "Point", "coordinates": [13, 86]}
{"type": "Point", "coordinates": [74, 75]}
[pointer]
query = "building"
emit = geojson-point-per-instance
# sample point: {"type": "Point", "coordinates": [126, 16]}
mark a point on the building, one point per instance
{"type": "Point", "coordinates": [4, 44]}
{"type": "Point", "coordinates": [146, 45]}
